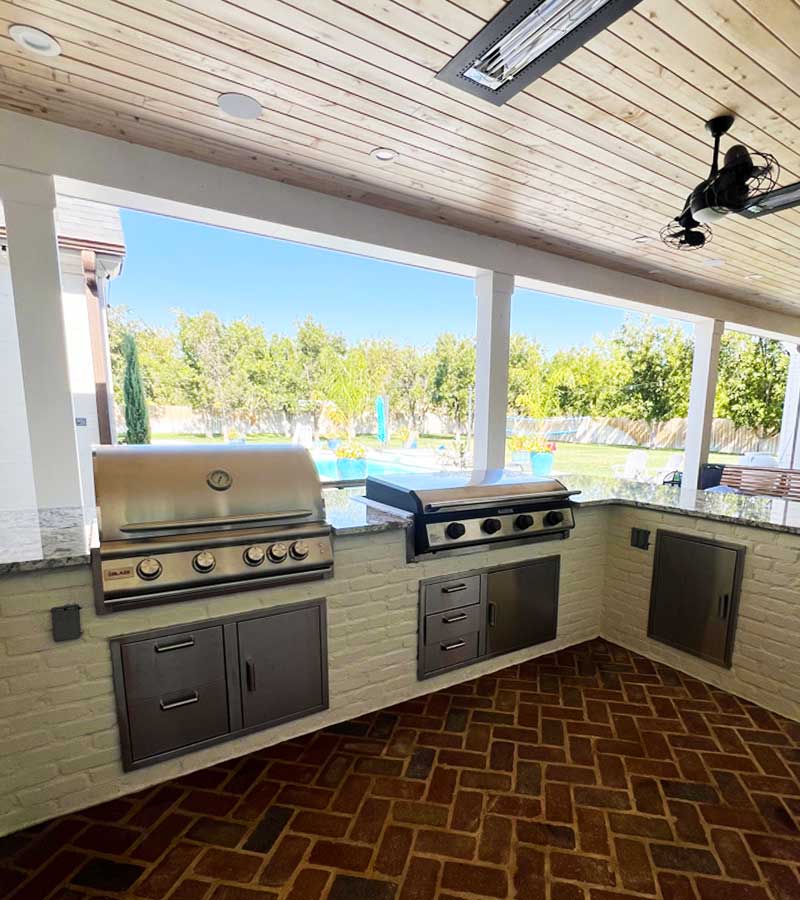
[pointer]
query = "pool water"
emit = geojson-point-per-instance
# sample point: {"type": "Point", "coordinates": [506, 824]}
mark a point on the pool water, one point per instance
{"type": "Point", "coordinates": [328, 471]}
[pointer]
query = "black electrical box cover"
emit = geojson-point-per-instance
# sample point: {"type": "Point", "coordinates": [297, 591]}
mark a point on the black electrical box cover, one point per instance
{"type": "Point", "coordinates": [66, 622]}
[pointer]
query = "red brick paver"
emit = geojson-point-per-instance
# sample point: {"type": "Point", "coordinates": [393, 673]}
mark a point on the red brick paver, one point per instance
{"type": "Point", "coordinates": [589, 774]}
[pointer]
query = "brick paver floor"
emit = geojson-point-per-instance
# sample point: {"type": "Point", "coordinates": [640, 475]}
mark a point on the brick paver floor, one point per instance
{"type": "Point", "coordinates": [590, 774]}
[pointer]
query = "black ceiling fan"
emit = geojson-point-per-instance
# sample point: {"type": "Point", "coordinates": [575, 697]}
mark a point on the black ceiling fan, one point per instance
{"type": "Point", "coordinates": [745, 184]}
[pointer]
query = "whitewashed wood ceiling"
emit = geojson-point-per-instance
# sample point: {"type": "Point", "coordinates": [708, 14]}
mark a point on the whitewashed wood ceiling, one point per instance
{"type": "Point", "coordinates": [603, 149]}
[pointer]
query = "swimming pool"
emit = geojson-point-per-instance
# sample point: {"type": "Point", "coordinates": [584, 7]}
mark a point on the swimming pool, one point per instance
{"type": "Point", "coordinates": [328, 470]}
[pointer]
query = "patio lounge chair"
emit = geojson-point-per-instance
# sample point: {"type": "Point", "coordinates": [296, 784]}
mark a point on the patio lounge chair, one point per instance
{"type": "Point", "coordinates": [634, 468]}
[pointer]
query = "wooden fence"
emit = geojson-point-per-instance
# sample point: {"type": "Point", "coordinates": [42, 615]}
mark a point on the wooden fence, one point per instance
{"type": "Point", "coordinates": [671, 435]}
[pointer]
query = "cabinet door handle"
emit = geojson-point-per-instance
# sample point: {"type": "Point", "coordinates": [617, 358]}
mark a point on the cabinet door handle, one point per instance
{"type": "Point", "coordinates": [448, 620]}
{"type": "Point", "coordinates": [165, 648]}
{"type": "Point", "coordinates": [176, 703]}
{"type": "Point", "coordinates": [250, 674]}
{"type": "Point", "coordinates": [456, 645]}
{"type": "Point", "coordinates": [454, 588]}
{"type": "Point", "coordinates": [724, 606]}
{"type": "Point", "coordinates": [492, 615]}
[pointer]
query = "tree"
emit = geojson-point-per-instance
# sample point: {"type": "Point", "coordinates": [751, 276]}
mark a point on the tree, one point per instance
{"type": "Point", "coordinates": [653, 368]}
{"type": "Point", "coordinates": [409, 386]}
{"type": "Point", "coordinates": [316, 347]}
{"type": "Point", "coordinates": [579, 379]}
{"type": "Point", "coordinates": [137, 420]}
{"type": "Point", "coordinates": [208, 372]}
{"type": "Point", "coordinates": [348, 385]}
{"type": "Point", "coordinates": [528, 393]}
{"type": "Point", "coordinates": [285, 377]}
{"type": "Point", "coordinates": [453, 378]}
{"type": "Point", "coordinates": [752, 382]}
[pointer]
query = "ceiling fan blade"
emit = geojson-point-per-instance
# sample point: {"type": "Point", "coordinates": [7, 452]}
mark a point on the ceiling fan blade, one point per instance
{"type": "Point", "coordinates": [773, 201]}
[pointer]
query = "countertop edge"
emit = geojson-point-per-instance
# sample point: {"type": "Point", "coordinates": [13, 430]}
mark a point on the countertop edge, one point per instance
{"type": "Point", "coordinates": [401, 524]}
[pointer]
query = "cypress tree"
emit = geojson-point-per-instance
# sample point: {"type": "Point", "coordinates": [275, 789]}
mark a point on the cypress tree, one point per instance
{"type": "Point", "coordinates": [137, 419]}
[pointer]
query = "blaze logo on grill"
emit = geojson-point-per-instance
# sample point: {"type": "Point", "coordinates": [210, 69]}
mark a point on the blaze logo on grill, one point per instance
{"type": "Point", "coordinates": [116, 572]}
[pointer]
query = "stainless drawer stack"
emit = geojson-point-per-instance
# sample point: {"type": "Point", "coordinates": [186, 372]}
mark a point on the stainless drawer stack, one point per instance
{"type": "Point", "coordinates": [176, 690]}
{"type": "Point", "coordinates": [185, 688]}
{"type": "Point", "coordinates": [486, 612]}
{"type": "Point", "coordinates": [452, 615]}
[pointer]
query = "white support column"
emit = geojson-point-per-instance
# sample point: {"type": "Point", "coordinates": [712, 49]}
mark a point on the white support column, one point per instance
{"type": "Point", "coordinates": [789, 444]}
{"type": "Point", "coordinates": [493, 292]}
{"type": "Point", "coordinates": [29, 202]}
{"type": "Point", "coordinates": [707, 337]}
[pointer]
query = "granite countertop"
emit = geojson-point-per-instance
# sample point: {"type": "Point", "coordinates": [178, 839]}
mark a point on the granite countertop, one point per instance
{"type": "Point", "coordinates": [348, 513]}
{"type": "Point", "coordinates": [56, 538]}
{"type": "Point", "coordinates": [32, 539]}
{"type": "Point", "coordinates": [770, 513]}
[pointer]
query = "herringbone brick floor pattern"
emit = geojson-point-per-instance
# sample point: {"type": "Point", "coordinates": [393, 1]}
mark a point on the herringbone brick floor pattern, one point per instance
{"type": "Point", "coordinates": [590, 774]}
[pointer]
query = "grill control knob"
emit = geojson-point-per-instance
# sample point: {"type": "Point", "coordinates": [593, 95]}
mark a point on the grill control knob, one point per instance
{"type": "Point", "coordinates": [253, 556]}
{"type": "Point", "coordinates": [455, 530]}
{"type": "Point", "coordinates": [299, 550]}
{"type": "Point", "coordinates": [149, 569]}
{"type": "Point", "coordinates": [554, 517]}
{"type": "Point", "coordinates": [204, 561]}
{"type": "Point", "coordinates": [278, 552]}
{"type": "Point", "coordinates": [491, 526]}
{"type": "Point", "coordinates": [524, 521]}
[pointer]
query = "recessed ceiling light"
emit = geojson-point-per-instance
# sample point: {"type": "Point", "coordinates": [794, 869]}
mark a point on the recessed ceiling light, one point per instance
{"type": "Point", "coordinates": [34, 40]}
{"type": "Point", "coordinates": [240, 106]}
{"type": "Point", "coordinates": [384, 154]}
{"type": "Point", "coordinates": [524, 40]}
{"type": "Point", "coordinates": [713, 263]}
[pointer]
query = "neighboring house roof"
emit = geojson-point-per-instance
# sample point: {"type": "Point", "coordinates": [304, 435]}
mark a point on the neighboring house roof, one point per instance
{"type": "Point", "coordinates": [84, 225]}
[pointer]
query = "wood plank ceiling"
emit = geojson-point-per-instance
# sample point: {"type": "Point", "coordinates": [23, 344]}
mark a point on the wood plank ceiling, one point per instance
{"type": "Point", "coordinates": [601, 150]}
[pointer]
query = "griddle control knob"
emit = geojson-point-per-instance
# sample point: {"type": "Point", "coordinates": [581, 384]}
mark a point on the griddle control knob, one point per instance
{"type": "Point", "coordinates": [299, 550]}
{"type": "Point", "coordinates": [278, 552]}
{"type": "Point", "coordinates": [523, 522]}
{"type": "Point", "coordinates": [455, 530]}
{"type": "Point", "coordinates": [554, 517]}
{"type": "Point", "coordinates": [254, 556]}
{"type": "Point", "coordinates": [204, 561]}
{"type": "Point", "coordinates": [491, 526]}
{"type": "Point", "coordinates": [149, 569]}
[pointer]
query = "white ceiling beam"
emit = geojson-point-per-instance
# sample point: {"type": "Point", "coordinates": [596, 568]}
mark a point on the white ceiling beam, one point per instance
{"type": "Point", "coordinates": [80, 158]}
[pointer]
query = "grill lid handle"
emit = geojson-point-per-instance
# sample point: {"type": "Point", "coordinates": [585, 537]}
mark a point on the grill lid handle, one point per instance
{"type": "Point", "coordinates": [251, 519]}
{"type": "Point", "coordinates": [477, 502]}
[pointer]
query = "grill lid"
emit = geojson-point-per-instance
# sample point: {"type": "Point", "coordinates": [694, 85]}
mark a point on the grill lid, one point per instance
{"type": "Point", "coordinates": [144, 491]}
{"type": "Point", "coordinates": [475, 488]}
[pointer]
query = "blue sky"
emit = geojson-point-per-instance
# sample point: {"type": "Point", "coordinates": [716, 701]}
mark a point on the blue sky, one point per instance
{"type": "Point", "coordinates": [173, 264]}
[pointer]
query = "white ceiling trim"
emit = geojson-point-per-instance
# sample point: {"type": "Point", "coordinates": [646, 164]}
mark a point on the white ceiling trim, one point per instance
{"type": "Point", "coordinates": [85, 163]}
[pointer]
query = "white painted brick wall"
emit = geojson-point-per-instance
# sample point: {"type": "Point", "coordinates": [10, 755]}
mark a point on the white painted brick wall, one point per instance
{"type": "Point", "coordinates": [766, 659]}
{"type": "Point", "coordinates": [59, 746]}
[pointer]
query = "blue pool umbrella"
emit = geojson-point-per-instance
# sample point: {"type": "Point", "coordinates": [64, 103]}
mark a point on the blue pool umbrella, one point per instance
{"type": "Point", "coordinates": [381, 409]}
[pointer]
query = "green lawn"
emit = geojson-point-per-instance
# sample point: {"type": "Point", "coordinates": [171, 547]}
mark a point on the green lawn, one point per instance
{"type": "Point", "coordinates": [580, 459]}
{"type": "Point", "coordinates": [598, 459]}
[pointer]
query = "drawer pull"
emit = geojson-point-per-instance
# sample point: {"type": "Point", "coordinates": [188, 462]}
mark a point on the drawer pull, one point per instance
{"type": "Point", "coordinates": [176, 703]}
{"type": "Point", "coordinates": [165, 648]}
{"type": "Point", "coordinates": [454, 588]}
{"type": "Point", "coordinates": [456, 645]}
{"type": "Point", "coordinates": [250, 674]}
{"type": "Point", "coordinates": [449, 620]}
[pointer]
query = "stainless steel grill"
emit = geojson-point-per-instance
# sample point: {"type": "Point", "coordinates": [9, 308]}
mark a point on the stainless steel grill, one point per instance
{"type": "Point", "coordinates": [455, 511]}
{"type": "Point", "coordinates": [180, 522]}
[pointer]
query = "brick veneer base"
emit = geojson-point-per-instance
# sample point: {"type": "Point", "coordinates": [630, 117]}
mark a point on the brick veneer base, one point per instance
{"type": "Point", "coordinates": [589, 774]}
